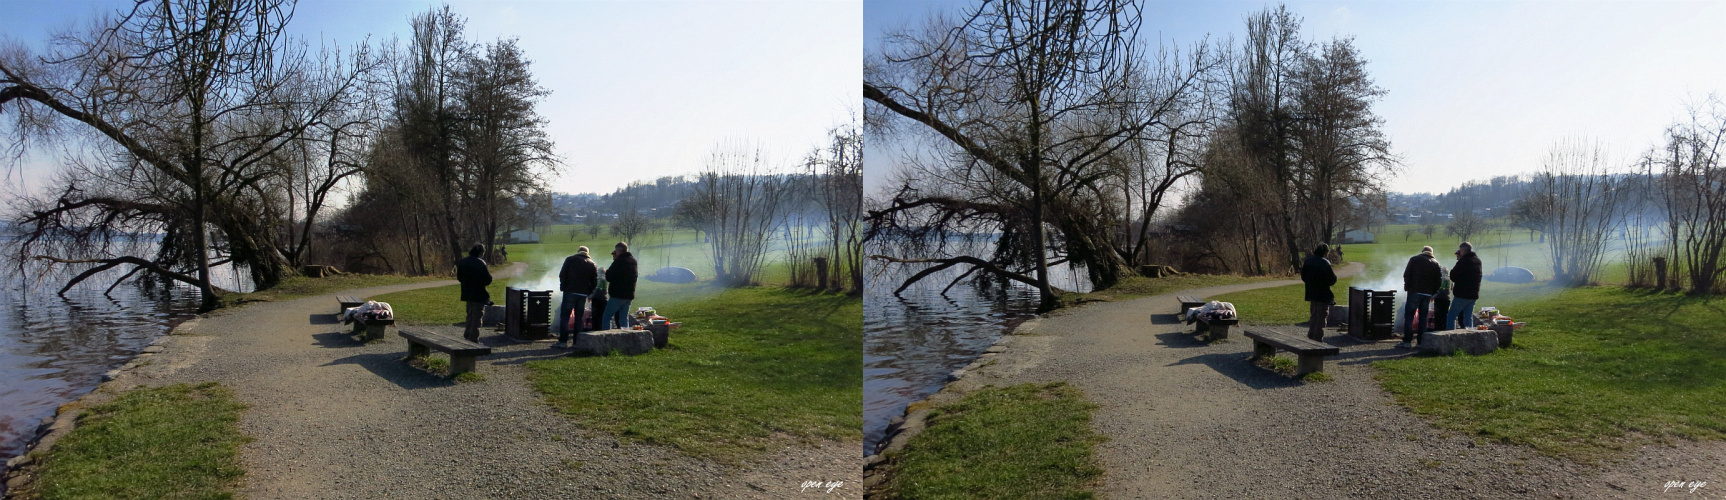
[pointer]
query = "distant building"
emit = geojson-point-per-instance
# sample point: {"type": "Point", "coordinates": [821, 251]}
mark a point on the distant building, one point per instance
{"type": "Point", "coordinates": [523, 236]}
{"type": "Point", "coordinates": [1357, 236]}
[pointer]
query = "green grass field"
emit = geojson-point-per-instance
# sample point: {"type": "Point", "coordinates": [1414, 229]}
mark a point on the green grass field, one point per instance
{"type": "Point", "coordinates": [752, 368]}
{"type": "Point", "coordinates": [1598, 370]}
{"type": "Point", "coordinates": [178, 441]}
{"type": "Point", "coordinates": [1024, 441]}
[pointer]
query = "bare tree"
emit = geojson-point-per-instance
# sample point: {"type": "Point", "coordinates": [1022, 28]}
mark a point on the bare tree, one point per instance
{"type": "Point", "coordinates": [190, 100]}
{"type": "Point", "coordinates": [840, 176]}
{"type": "Point", "coordinates": [1033, 100]}
{"type": "Point", "coordinates": [629, 224]}
{"type": "Point", "coordinates": [741, 193]}
{"type": "Point", "coordinates": [1695, 190]}
{"type": "Point", "coordinates": [1579, 191]}
{"type": "Point", "coordinates": [1466, 224]}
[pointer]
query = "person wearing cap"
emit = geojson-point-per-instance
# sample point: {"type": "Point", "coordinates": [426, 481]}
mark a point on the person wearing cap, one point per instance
{"type": "Point", "coordinates": [576, 280]}
{"type": "Point", "coordinates": [474, 275]}
{"type": "Point", "coordinates": [620, 278]}
{"type": "Point", "coordinates": [1318, 276]}
{"type": "Point", "coordinates": [1466, 275]}
{"type": "Point", "coordinates": [1421, 279]}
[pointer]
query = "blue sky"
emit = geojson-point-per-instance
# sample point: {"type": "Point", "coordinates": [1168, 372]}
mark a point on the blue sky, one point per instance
{"type": "Point", "coordinates": [1477, 88]}
{"type": "Point", "coordinates": [639, 89]}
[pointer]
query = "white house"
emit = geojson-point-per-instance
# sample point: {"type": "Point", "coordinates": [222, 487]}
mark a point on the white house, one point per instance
{"type": "Point", "coordinates": [1357, 236]}
{"type": "Point", "coordinates": [523, 236]}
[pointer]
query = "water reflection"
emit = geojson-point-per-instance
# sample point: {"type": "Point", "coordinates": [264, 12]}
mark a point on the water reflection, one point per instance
{"type": "Point", "coordinates": [914, 340]}
{"type": "Point", "coordinates": [54, 350]}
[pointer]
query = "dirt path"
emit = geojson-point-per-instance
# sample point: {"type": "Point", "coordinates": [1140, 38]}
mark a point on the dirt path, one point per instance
{"type": "Point", "coordinates": [1186, 419]}
{"type": "Point", "coordinates": [334, 418]}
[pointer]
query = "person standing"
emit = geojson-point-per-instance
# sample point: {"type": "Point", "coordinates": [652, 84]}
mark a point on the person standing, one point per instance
{"type": "Point", "coordinates": [576, 280]}
{"type": "Point", "coordinates": [1440, 301]}
{"type": "Point", "coordinates": [1420, 279]}
{"type": "Point", "coordinates": [1318, 276]}
{"type": "Point", "coordinates": [474, 275]}
{"type": "Point", "coordinates": [1466, 275]}
{"type": "Point", "coordinates": [621, 290]}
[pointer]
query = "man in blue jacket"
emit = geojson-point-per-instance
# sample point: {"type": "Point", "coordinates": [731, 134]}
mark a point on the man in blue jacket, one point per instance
{"type": "Point", "coordinates": [474, 275]}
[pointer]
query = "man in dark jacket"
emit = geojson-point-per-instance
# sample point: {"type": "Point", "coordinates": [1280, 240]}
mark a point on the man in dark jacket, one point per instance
{"type": "Point", "coordinates": [620, 286]}
{"type": "Point", "coordinates": [474, 275]}
{"type": "Point", "coordinates": [576, 280]}
{"type": "Point", "coordinates": [1318, 276]}
{"type": "Point", "coordinates": [1420, 279]}
{"type": "Point", "coordinates": [1466, 279]}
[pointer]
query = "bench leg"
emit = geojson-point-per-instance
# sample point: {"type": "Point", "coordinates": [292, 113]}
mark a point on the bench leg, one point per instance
{"type": "Point", "coordinates": [1310, 363]}
{"type": "Point", "coordinates": [1219, 332]}
{"type": "Point", "coordinates": [418, 350]}
{"type": "Point", "coordinates": [1263, 350]}
{"type": "Point", "coordinates": [1200, 327]}
{"type": "Point", "coordinates": [375, 332]}
{"type": "Point", "coordinates": [460, 364]}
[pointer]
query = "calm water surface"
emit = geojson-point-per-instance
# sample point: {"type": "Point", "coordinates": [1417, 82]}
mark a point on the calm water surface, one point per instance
{"type": "Point", "coordinates": [54, 350]}
{"type": "Point", "coordinates": [911, 342]}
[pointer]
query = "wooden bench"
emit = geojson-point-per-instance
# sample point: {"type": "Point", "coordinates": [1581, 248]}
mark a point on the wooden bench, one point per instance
{"type": "Point", "coordinates": [1216, 329]}
{"type": "Point", "coordinates": [1311, 354]}
{"type": "Point", "coordinates": [461, 352]}
{"type": "Point", "coordinates": [346, 301]}
{"type": "Point", "coordinates": [373, 328]}
{"type": "Point", "coordinates": [1188, 302]}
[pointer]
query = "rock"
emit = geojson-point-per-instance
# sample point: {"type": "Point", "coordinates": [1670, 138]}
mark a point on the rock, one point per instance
{"type": "Point", "coordinates": [18, 461]}
{"type": "Point", "coordinates": [1473, 342]}
{"type": "Point", "coordinates": [1511, 275]}
{"type": "Point", "coordinates": [873, 461]}
{"type": "Point", "coordinates": [672, 275]}
{"type": "Point", "coordinates": [604, 341]}
{"type": "Point", "coordinates": [154, 349]}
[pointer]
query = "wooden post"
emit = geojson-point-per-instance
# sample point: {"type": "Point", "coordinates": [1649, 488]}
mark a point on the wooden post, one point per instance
{"type": "Point", "coordinates": [1660, 273]}
{"type": "Point", "coordinates": [821, 272]}
{"type": "Point", "coordinates": [1309, 363]}
{"type": "Point", "coordinates": [460, 364]}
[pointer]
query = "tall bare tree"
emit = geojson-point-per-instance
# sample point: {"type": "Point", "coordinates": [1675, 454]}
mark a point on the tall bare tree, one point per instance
{"type": "Point", "coordinates": [1579, 190]}
{"type": "Point", "coordinates": [1695, 190]}
{"type": "Point", "coordinates": [190, 99]}
{"type": "Point", "coordinates": [1033, 100]}
{"type": "Point", "coordinates": [741, 194]}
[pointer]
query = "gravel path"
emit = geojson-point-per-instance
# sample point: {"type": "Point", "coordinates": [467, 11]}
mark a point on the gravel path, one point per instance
{"type": "Point", "coordinates": [334, 418]}
{"type": "Point", "coordinates": [1186, 419]}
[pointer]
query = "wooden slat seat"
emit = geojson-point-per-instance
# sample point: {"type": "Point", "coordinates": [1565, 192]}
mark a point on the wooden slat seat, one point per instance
{"type": "Point", "coordinates": [1216, 329]}
{"type": "Point", "coordinates": [1266, 342]}
{"type": "Point", "coordinates": [461, 352]}
{"type": "Point", "coordinates": [346, 301]}
{"type": "Point", "coordinates": [1188, 302]}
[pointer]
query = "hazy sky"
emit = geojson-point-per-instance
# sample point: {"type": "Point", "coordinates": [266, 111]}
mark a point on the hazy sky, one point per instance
{"type": "Point", "coordinates": [639, 90]}
{"type": "Point", "coordinates": [1476, 89]}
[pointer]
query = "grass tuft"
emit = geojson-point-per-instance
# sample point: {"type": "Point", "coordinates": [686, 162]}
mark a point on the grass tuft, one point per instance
{"type": "Point", "coordinates": [1023, 441]}
{"type": "Point", "coordinates": [177, 441]}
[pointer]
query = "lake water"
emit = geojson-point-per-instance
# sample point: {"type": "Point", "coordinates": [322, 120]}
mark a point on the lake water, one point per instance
{"type": "Point", "coordinates": [54, 350]}
{"type": "Point", "coordinates": [911, 342]}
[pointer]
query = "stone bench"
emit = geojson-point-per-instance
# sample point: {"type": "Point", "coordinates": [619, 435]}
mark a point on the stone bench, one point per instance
{"type": "Point", "coordinates": [1188, 302]}
{"type": "Point", "coordinates": [461, 352]}
{"type": "Point", "coordinates": [1215, 329]}
{"type": "Point", "coordinates": [1311, 354]}
{"type": "Point", "coordinates": [1470, 341]}
{"type": "Point", "coordinates": [346, 301]}
{"type": "Point", "coordinates": [603, 342]}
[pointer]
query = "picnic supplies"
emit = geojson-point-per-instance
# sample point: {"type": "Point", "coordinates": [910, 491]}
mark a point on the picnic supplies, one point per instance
{"type": "Point", "coordinates": [371, 310]}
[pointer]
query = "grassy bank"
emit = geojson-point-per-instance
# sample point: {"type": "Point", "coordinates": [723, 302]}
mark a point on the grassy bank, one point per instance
{"type": "Point", "coordinates": [1023, 441]}
{"type": "Point", "coordinates": [1139, 286]}
{"type": "Point", "coordinates": [751, 369]}
{"type": "Point", "coordinates": [296, 286]}
{"type": "Point", "coordinates": [178, 441]}
{"type": "Point", "coordinates": [1598, 371]}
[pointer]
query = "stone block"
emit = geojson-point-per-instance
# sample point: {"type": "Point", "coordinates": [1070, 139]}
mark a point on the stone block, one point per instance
{"type": "Point", "coordinates": [620, 340]}
{"type": "Point", "coordinates": [1472, 342]}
